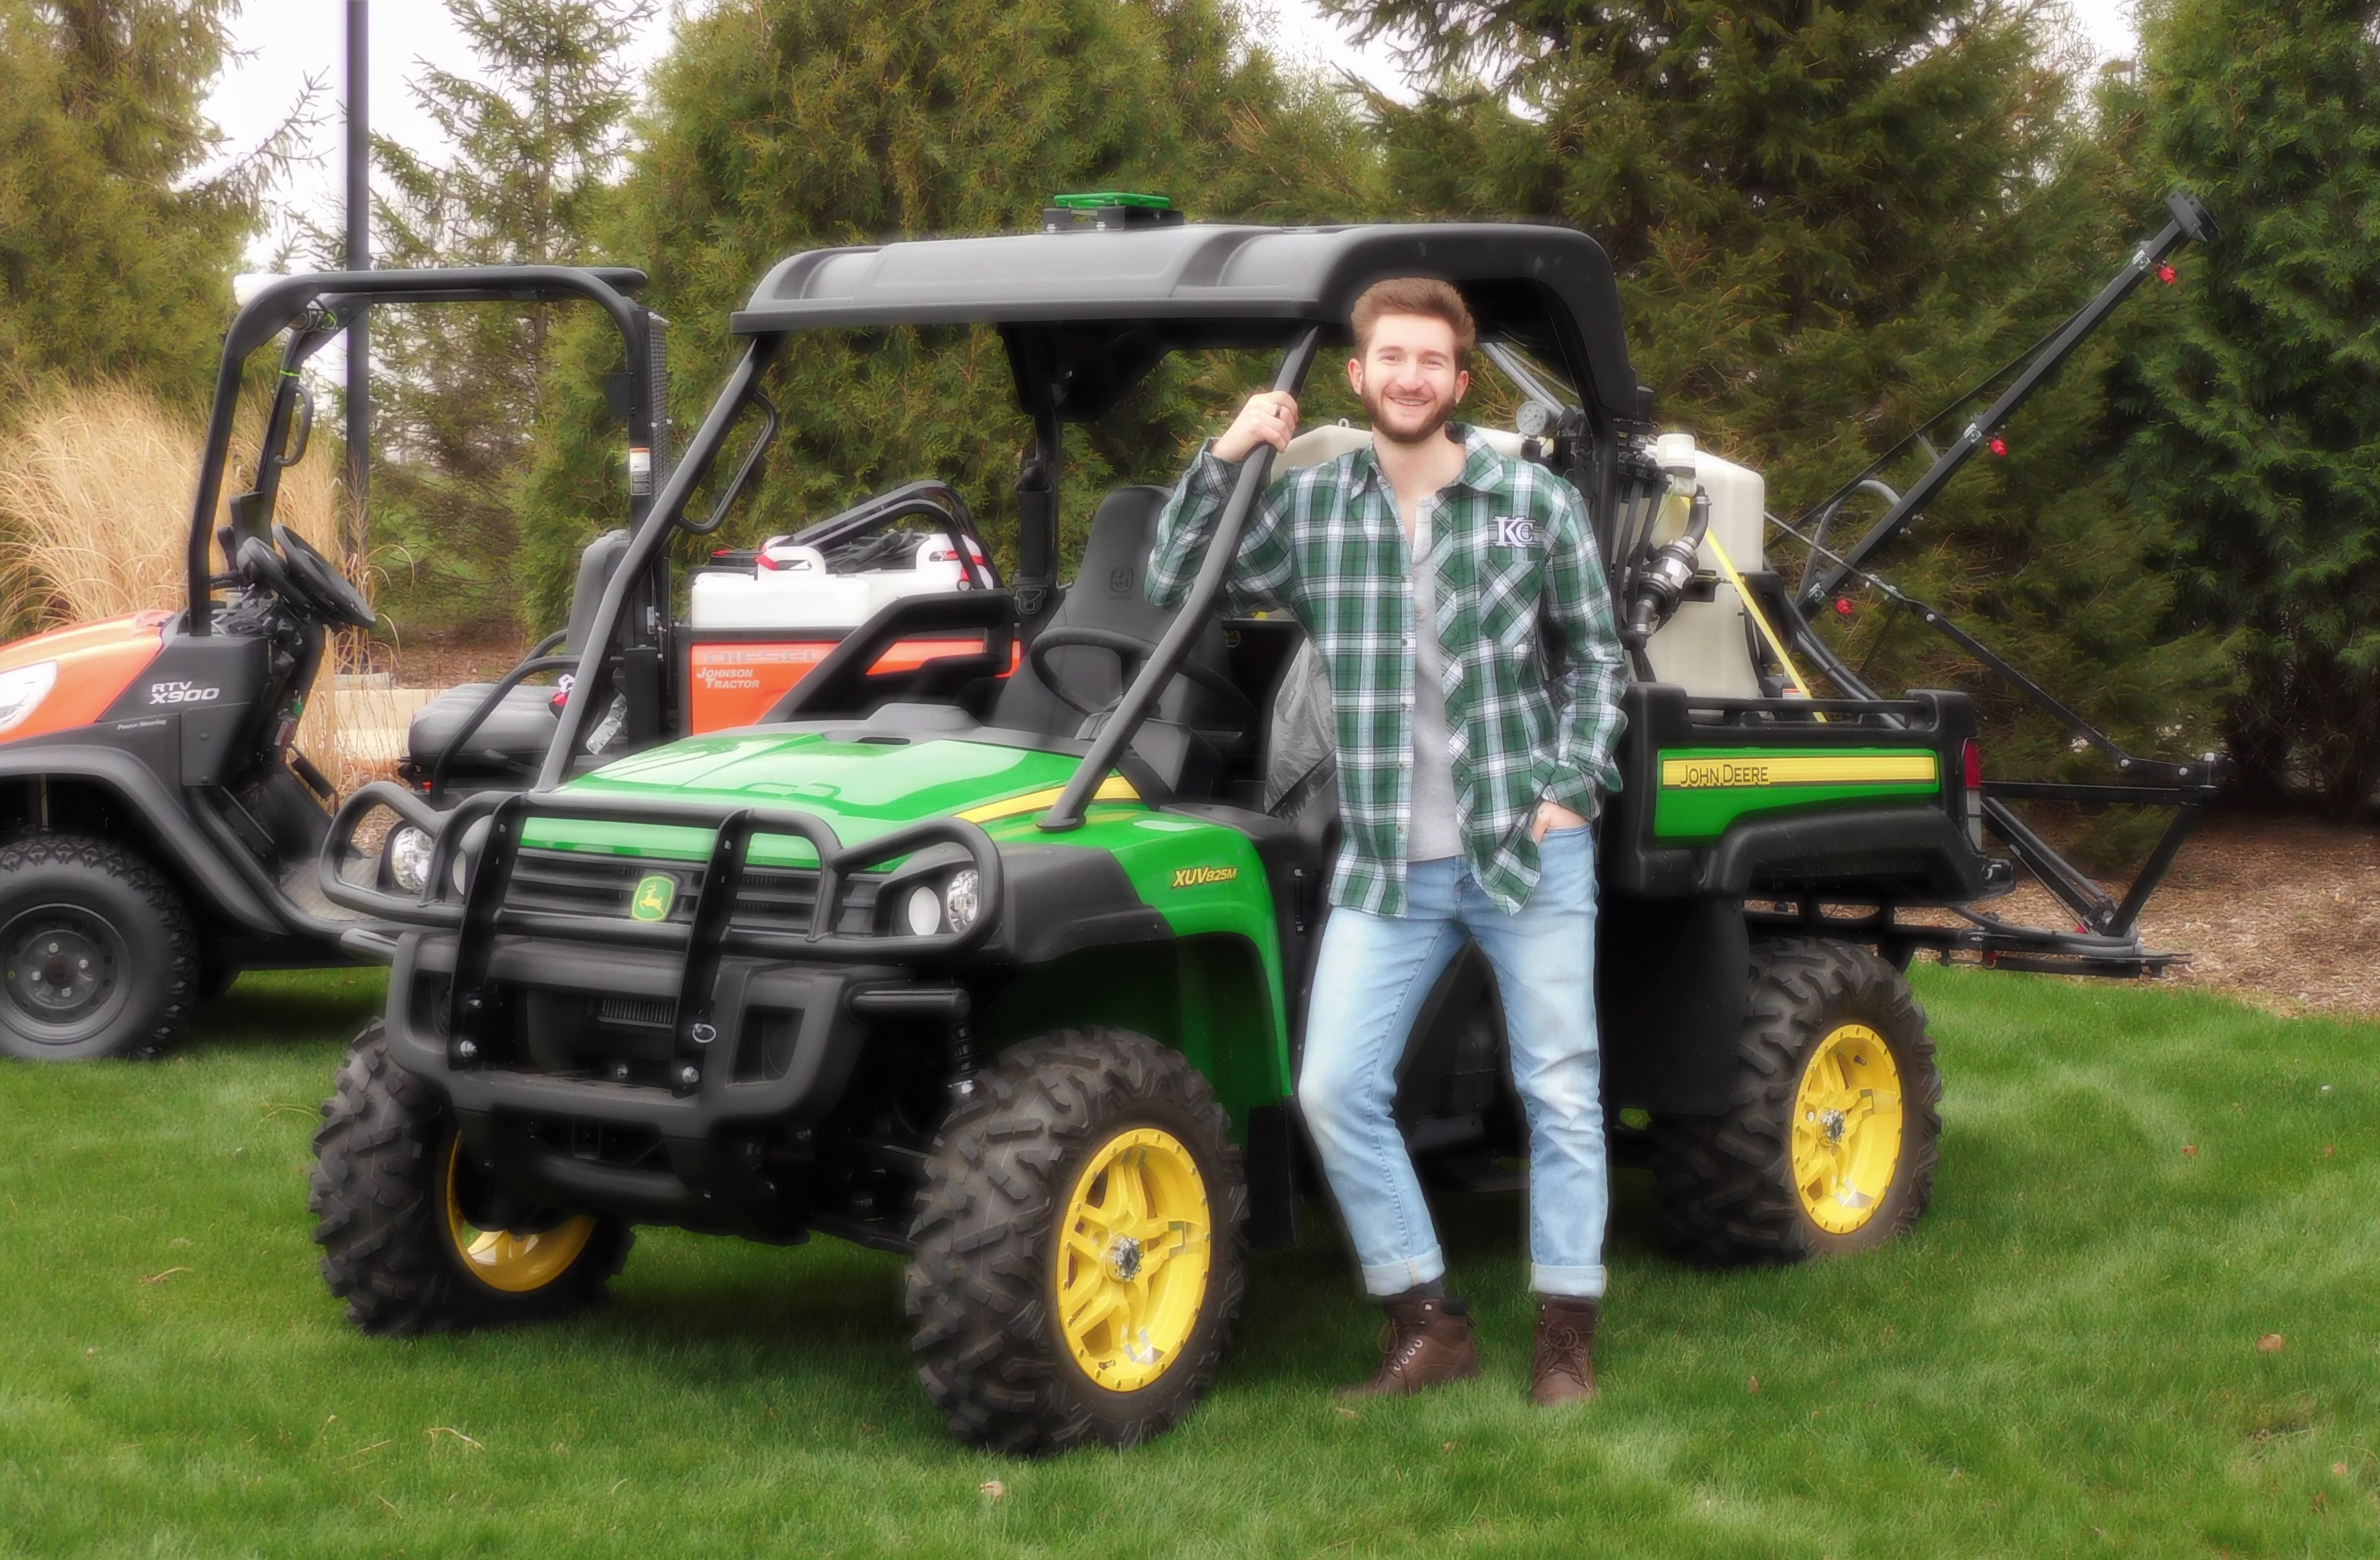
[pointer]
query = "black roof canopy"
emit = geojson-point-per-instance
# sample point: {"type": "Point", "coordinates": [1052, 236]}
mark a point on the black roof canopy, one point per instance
{"type": "Point", "coordinates": [1550, 287]}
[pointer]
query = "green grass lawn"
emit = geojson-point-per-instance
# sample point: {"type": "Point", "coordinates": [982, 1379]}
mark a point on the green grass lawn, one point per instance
{"type": "Point", "coordinates": [2136, 1186]}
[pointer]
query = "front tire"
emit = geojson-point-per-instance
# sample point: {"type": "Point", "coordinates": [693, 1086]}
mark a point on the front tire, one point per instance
{"type": "Point", "coordinates": [415, 1238]}
{"type": "Point", "coordinates": [1078, 1246]}
{"type": "Point", "coordinates": [1831, 1144]}
{"type": "Point", "coordinates": [97, 957]}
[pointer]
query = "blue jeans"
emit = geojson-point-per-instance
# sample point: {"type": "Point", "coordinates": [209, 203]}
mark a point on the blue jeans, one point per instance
{"type": "Point", "coordinates": [1374, 975]}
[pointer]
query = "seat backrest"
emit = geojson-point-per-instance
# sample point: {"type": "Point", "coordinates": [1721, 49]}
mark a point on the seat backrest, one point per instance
{"type": "Point", "coordinates": [1108, 594]}
{"type": "Point", "coordinates": [596, 566]}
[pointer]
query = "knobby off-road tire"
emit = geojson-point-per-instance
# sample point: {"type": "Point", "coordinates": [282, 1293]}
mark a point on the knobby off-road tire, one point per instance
{"type": "Point", "coordinates": [1090, 1174]}
{"type": "Point", "coordinates": [385, 1186]}
{"type": "Point", "coordinates": [97, 957]}
{"type": "Point", "coordinates": [1834, 1049]}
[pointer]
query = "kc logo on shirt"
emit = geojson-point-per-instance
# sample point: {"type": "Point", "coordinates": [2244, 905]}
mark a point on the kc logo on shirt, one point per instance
{"type": "Point", "coordinates": [1516, 531]}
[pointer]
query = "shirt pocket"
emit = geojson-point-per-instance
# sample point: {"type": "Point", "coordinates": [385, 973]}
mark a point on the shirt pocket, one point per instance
{"type": "Point", "coordinates": [1510, 581]}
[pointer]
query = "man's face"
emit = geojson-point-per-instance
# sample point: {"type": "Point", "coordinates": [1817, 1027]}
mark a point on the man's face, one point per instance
{"type": "Point", "coordinates": [1406, 377]}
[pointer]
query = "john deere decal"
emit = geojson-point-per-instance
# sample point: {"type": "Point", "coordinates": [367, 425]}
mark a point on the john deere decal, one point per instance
{"type": "Point", "coordinates": [654, 898]}
{"type": "Point", "coordinates": [1198, 877]}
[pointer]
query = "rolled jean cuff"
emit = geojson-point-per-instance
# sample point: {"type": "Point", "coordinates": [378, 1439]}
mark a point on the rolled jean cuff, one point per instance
{"type": "Point", "coordinates": [1395, 1278]}
{"type": "Point", "coordinates": [1570, 1282]}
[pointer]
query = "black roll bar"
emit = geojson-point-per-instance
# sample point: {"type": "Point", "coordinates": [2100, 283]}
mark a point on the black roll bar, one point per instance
{"type": "Point", "coordinates": [645, 545]}
{"type": "Point", "coordinates": [287, 299]}
{"type": "Point", "coordinates": [1191, 620]}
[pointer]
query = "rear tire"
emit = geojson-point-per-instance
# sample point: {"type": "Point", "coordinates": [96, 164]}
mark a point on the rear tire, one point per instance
{"type": "Point", "coordinates": [1078, 1246]}
{"type": "Point", "coordinates": [395, 1197]}
{"type": "Point", "coordinates": [97, 957]}
{"type": "Point", "coordinates": [1831, 1144]}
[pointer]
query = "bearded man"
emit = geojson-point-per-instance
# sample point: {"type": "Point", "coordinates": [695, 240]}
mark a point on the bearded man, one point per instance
{"type": "Point", "coordinates": [1424, 569]}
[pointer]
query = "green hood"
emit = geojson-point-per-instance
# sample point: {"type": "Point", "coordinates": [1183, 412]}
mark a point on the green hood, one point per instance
{"type": "Point", "coordinates": [858, 789]}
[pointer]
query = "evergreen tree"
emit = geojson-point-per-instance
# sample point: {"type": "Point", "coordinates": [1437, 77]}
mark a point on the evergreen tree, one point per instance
{"type": "Point", "coordinates": [1826, 223]}
{"type": "Point", "coordinates": [458, 388]}
{"type": "Point", "coordinates": [2260, 412]}
{"type": "Point", "coordinates": [117, 246]}
{"type": "Point", "coordinates": [783, 125]}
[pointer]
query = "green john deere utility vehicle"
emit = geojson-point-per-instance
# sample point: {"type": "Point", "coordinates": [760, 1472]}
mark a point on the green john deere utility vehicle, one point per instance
{"type": "Point", "coordinates": [997, 956]}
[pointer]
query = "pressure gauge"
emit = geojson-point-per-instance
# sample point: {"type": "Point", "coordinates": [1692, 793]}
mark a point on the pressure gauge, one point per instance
{"type": "Point", "coordinates": [1533, 419]}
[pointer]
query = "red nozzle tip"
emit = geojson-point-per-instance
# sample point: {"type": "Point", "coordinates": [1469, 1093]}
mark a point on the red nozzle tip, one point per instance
{"type": "Point", "coordinates": [1999, 445]}
{"type": "Point", "coordinates": [2164, 275]}
{"type": "Point", "coordinates": [1842, 606]}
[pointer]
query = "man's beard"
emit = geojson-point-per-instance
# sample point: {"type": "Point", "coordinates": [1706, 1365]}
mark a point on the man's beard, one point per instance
{"type": "Point", "coordinates": [1377, 404]}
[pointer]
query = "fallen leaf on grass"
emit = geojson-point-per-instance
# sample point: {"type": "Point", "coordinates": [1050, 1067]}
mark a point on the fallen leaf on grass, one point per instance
{"type": "Point", "coordinates": [161, 1277]}
{"type": "Point", "coordinates": [1347, 1413]}
{"type": "Point", "coordinates": [2190, 1151]}
{"type": "Point", "coordinates": [992, 1488]}
{"type": "Point", "coordinates": [2328, 1149]}
{"type": "Point", "coordinates": [2339, 1469]}
{"type": "Point", "coordinates": [435, 1432]}
{"type": "Point", "coordinates": [1753, 1386]}
{"type": "Point", "coordinates": [2271, 1343]}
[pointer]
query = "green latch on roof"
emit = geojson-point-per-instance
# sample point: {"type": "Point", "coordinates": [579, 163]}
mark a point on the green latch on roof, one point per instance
{"type": "Point", "coordinates": [1099, 198]}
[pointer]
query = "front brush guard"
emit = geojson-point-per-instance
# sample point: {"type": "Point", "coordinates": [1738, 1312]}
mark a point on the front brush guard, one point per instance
{"type": "Point", "coordinates": [710, 934]}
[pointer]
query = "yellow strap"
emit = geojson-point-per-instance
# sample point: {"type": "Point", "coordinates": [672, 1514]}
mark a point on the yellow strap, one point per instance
{"type": "Point", "coordinates": [1794, 682]}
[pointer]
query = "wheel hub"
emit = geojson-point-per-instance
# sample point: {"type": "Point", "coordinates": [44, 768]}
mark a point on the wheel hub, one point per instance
{"type": "Point", "coordinates": [1124, 1259]}
{"type": "Point", "coordinates": [57, 968]}
{"type": "Point", "coordinates": [510, 1261]}
{"type": "Point", "coordinates": [1847, 1127]}
{"type": "Point", "coordinates": [1134, 1246]}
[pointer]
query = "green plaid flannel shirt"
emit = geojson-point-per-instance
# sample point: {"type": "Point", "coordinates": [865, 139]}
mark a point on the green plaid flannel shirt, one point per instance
{"type": "Point", "coordinates": [1508, 538]}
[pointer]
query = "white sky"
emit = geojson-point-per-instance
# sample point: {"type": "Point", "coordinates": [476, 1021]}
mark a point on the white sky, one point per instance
{"type": "Point", "coordinates": [286, 40]}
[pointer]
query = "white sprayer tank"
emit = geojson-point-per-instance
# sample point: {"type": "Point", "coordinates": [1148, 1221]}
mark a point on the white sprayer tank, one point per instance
{"type": "Point", "coordinates": [1706, 648]}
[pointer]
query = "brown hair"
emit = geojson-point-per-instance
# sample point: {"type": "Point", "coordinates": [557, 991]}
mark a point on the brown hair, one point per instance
{"type": "Point", "coordinates": [1415, 295]}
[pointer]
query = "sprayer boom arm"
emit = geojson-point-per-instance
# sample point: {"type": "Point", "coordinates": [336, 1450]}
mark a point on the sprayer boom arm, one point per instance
{"type": "Point", "coordinates": [2191, 222]}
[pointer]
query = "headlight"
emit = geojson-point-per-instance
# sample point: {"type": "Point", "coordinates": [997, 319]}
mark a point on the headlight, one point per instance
{"type": "Point", "coordinates": [952, 907]}
{"type": "Point", "coordinates": [22, 690]}
{"type": "Point", "coordinates": [409, 850]}
{"type": "Point", "coordinates": [962, 899]}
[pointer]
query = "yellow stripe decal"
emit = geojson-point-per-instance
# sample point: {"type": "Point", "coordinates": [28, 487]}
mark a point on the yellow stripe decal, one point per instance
{"type": "Point", "coordinates": [1114, 788]}
{"type": "Point", "coordinates": [1717, 774]}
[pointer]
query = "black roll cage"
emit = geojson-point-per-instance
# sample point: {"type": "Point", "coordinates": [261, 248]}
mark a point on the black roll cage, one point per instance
{"type": "Point", "coordinates": [317, 307]}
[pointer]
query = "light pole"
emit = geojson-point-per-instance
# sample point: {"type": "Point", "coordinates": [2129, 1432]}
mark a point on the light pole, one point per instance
{"type": "Point", "coordinates": [358, 259]}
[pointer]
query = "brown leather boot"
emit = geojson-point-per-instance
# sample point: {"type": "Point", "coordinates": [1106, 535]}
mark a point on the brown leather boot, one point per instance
{"type": "Point", "coordinates": [1423, 1344]}
{"type": "Point", "coordinates": [1563, 1370]}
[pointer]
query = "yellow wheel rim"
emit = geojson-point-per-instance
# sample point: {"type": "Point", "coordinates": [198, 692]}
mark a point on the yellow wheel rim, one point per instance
{"type": "Point", "coordinates": [516, 1264]}
{"type": "Point", "coordinates": [1846, 1128]}
{"type": "Point", "coordinates": [1134, 1243]}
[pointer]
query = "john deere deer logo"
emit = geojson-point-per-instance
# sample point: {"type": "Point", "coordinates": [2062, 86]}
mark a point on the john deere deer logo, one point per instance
{"type": "Point", "coordinates": [654, 898]}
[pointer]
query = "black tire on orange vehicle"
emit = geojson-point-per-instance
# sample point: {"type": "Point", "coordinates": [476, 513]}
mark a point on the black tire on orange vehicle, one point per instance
{"type": "Point", "coordinates": [97, 954]}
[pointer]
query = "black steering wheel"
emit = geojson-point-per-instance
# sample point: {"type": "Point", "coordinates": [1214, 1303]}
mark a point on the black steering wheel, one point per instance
{"type": "Point", "coordinates": [261, 567]}
{"type": "Point", "coordinates": [1132, 651]}
{"type": "Point", "coordinates": [330, 594]}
